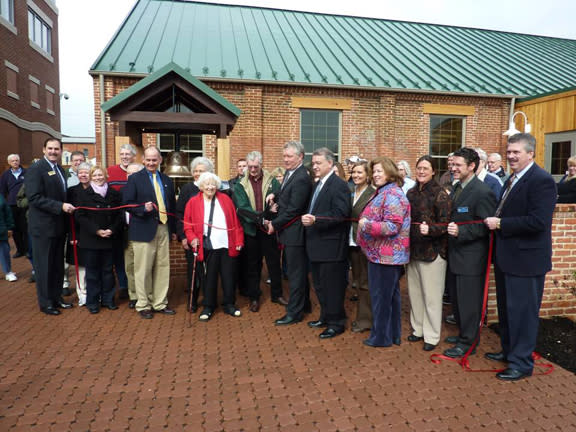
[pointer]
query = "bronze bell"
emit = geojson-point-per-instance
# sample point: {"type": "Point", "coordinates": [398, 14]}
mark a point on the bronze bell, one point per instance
{"type": "Point", "coordinates": [175, 166]}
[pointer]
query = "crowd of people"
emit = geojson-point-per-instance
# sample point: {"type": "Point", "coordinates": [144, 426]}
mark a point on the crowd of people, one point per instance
{"type": "Point", "coordinates": [376, 221]}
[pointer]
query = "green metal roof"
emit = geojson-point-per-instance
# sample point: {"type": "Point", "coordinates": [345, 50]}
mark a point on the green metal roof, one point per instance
{"type": "Point", "coordinates": [215, 41]}
{"type": "Point", "coordinates": [170, 67]}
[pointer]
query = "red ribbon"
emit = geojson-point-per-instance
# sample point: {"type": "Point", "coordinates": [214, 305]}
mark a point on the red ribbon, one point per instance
{"type": "Point", "coordinates": [463, 361]}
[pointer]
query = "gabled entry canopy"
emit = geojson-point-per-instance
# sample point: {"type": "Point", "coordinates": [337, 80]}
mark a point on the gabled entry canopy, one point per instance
{"type": "Point", "coordinates": [170, 100]}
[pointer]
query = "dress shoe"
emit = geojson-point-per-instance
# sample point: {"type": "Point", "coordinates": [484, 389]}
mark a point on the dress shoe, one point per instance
{"type": "Point", "coordinates": [511, 375]}
{"type": "Point", "coordinates": [287, 320]}
{"type": "Point", "coordinates": [370, 344]}
{"type": "Point", "coordinates": [17, 255]}
{"type": "Point", "coordinates": [232, 311]}
{"type": "Point", "coordinates": [280, 300]}
{"type": "Point", "coordinates": [457, 351]}
{"type": "Point", "coordinates": [414, 338]}
{"type": "Point", "coordinates": [66, 292]}
{"type": "Point", "coordinates": [495, 356]}
{"type": "Point", "coordinates": [49, 310]}
{"type": "Point", "coordinates": [93, 309]}
{"type": "Point", "coordinates": [146, 314]}
{"type": "Point", "coordinates": [317, 324]}
{"type": "Point", "coordinates": [428, 346]}
{"type": "Point", "coordinates": [452, 339]}
{"type": "Point", "coordinates": [132, 304]}
{"type": "Point", "coordinates": [354, 298]}
{"type": "Point", "coordinates": [358, 329]}
{"type": "Point", "coordinates": [450, 319]}
{"type": "Point", "coordinates": [330, 333]}
{"type": "Point", "coordinates": [397, 341]}
{"type": "Point", "coordinates": [166, 311]}
{"type": "Point", "coordinates": [110, 306]}
{"type": "Point", "coordinates": [254, 306]}
{"type": "Point", "coordinates": [63, 305]}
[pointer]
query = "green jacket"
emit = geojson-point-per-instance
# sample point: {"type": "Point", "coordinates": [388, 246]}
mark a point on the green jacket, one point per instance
{"type": "Point", "coordinates": [244, 199]}
{"type": "Point", "coordinates": [6, 220]}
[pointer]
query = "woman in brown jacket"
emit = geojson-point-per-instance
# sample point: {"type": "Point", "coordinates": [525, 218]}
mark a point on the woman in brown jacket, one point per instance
{"type": "Point", "coordinates": [430, 211]}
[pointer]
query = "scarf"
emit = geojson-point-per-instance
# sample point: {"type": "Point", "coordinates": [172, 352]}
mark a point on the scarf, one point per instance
{"type": "Point", "coordinates": [100, 190]}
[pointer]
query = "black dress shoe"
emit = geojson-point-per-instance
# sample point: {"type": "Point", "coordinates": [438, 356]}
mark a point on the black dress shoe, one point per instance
{"type": "Point", "coordinates": [370, 344]}
{"type": "Point", "coordinates": [495, 356]}
{"type": "Point", "coordinates": [287, 320]}
{"type": "Point", "coordinates": [450, 319]}
{"type": "Point", "coordinates": [397, 341]}
{"type": "Point", "coordinates": [17, 255]}
{"type": "Point", "coordinates": [280, 300]}
{"type": "Point", "coordinates": [452, 339]}
{"type": "Point", "coordinates": [146, 314]}
{"type": "Point", "coordinates": [457, 351]}
{"type": "Point", "coordinates": [166, 311]}
{"type": "Point", "coordinates": [414, 338]}
{"type": "Point", "coordinates": [63, 305]}
{"type": "Point", "coordinates": [428, 346]}
{"type": "Point", "coordinates": [132, 304]}
{"type": "Point", "coordinates": [511, 375]}
{"type": "Point", "coordinates": [110, 306]}
{"type": "Point", "coordinates": [49, 310]}
{"type": "Point", "coordinates": [254, 306]}
{"type": "Point", "coordinates": [317, 324]}
{"type": "Point", "coordinates": [66, 292]}
{"type": "Point", "coordinates": [330, 333]}
{"type": "Point", "coordinates": [93, 309]}
{"type": "Point", "coordinates": [354, 298]}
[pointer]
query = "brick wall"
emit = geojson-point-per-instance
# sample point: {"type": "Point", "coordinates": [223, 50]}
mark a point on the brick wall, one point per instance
{"type": "Point", "coordinates": [16, 49]}
{"type": "Point", "coordinates": [560, 286]}
{"type": "Point", "coordinates": [378, 122]}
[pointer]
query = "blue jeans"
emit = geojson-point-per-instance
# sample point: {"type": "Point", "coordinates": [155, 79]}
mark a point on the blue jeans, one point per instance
{"type": "Point", "coordinates": [5, 256]}
{"type": "Point", "coordinates": [383, 282]}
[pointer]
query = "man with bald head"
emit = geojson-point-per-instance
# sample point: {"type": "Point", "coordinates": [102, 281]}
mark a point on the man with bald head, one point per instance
{"type": "Point", "coordinates": [149, 231]}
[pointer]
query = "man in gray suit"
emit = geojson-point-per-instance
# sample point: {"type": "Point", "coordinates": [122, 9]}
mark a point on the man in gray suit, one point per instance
{"type": "Point", "coordinates": [468, 247]}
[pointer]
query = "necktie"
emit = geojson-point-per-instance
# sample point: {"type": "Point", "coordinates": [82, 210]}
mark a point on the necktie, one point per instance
{"type": "Point", "coordinates": [286, 177]}
{"type": "Point", "coordinates": [457, 191]}
{"type": "Point", "coordinates": [62, 179]}
{"type": "Point", "coordinates": [505, 195]}
{"type": "Point", "coordinates": [316, 193]}
{"type": "Point", "coordinates": [160, 200]}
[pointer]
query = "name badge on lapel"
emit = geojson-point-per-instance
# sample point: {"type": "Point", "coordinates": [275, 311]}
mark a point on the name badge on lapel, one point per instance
{"type": "Point", "coordinates": [51, 173]}
{"type": "Point", "coordinates": [462, 210]}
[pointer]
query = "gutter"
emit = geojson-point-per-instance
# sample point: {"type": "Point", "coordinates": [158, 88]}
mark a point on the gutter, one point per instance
{"type": "Point", "coordinates": [102, 123]}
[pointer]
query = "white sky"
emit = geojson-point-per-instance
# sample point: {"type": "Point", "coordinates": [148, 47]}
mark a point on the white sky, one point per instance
{"type": "Point", "coordinates": [86, 28]}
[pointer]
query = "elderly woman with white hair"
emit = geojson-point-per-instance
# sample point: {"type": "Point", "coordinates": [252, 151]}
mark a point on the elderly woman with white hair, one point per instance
{"type": "Point", "coordinates": [213, 229]}
{"type": "Point", "coordinates": [198, 166]}
{"type": "Point", "coordinates": [406, 174]}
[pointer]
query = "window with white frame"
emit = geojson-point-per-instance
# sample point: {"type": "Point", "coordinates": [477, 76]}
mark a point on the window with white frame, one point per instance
{"type": "Point", "coordinates": [39, 31]}
{"type": "Point", "coordinates": [320, 128]}
{"type": "Point", "coordinates": [446, 136]}
{"type": "Point", "coordinates": [7, 10]}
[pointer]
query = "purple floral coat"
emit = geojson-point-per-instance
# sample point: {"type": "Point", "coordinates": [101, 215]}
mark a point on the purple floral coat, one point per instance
{"type": "Point", "coordinates": [385, 237]}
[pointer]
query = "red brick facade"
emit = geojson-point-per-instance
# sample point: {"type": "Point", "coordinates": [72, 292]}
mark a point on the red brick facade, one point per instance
{"type": "Point", "coordinates": [26, 120]}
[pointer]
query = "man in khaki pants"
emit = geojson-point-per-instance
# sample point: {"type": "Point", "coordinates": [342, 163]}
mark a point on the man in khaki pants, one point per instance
{"type": "Point", "coordinates": [150, 231]}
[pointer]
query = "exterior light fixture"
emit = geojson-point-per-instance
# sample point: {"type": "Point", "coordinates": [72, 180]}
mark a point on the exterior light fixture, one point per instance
{"type": "Point", "coordinates": [512, 127]}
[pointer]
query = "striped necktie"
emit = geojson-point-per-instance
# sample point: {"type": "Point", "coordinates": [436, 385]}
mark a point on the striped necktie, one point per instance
{"type": "Point", "coordinates": [160, 200]}
{"type": "Point", "coordinates": [505, 195]}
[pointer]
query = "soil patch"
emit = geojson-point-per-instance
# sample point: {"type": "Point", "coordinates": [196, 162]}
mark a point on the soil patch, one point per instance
{"type": "Point", "coordinates": [556, 341]}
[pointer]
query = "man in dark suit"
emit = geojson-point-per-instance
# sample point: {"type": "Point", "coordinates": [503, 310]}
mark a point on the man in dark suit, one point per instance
{"type": "Point", "coordinates": [327, 234]}
{"type": "Point", "coordinates": [292, 202]}
{"type": "Point", "coordinates": [523, 255]}
{"type": "Point", "coordinates": [468, 245]}
{"type": "Point", "coordinates": [150, 230]}
{"type": "Point", "coordinates": [46, 191]}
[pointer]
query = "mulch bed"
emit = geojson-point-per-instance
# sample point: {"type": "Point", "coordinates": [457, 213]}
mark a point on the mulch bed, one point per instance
{"type": "Point", "coordinates": [556, 341]}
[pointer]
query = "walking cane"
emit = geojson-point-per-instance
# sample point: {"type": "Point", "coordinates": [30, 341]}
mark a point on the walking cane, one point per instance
{"type": "Point", "coordinates": [195, 253]}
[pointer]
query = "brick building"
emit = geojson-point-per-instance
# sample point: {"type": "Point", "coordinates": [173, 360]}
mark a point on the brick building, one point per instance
{"type": "Point", "coordinates": [29, 78]}
{"type": "Point", "coordinates": [222, 80]}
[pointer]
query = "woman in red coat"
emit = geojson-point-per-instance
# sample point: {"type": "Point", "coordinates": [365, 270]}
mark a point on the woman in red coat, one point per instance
{"type": "Point", "coordinates": [212, 228]}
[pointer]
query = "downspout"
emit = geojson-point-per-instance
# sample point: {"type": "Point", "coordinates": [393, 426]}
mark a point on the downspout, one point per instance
{"type": "Point", "coordinates": [510, 117]}
{"type": "Point", "coordinates": [102, 123]}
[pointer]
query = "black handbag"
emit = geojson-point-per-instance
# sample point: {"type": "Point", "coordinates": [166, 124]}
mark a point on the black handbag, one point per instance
{"type": "Point", "coordinates": [207, 243]}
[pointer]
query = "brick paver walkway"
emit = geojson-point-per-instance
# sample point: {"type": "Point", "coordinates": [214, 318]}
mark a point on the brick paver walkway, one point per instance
{"type": "Point", "coordinates": [116, 372]}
